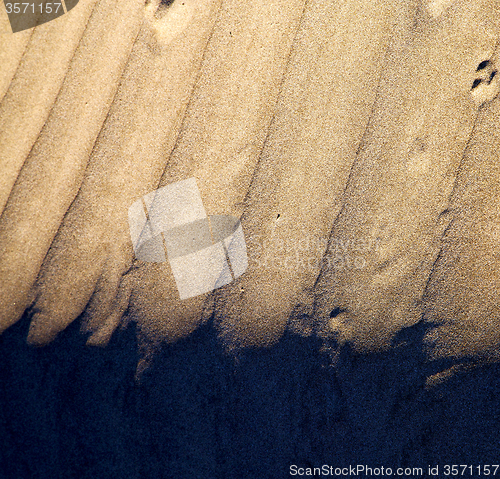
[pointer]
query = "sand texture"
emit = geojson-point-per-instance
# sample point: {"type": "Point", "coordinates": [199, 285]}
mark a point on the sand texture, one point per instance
{"type": "Point", "coordinates": [357, 142]}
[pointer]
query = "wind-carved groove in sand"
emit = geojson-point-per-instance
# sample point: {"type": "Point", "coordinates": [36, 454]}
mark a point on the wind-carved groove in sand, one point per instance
{"type": "Point", "coordinates": [222, 134]}
{"type": "Point", "coordinates": [91, 255]}
{"type": "Point", "coordinates": [52, 174]}
{"type": "Point", "coordinates": [404, 176]}
{"type": "Point", "coordinates": [450, 211]}
{"type": "Point", "coordinates": [318, 124]}
{"type": "Point", "coordinates": [462, 296]}
{"type": "Point", "coordinates": [12, 51]}
{"type": "Point", "coordinates": [34, 88]}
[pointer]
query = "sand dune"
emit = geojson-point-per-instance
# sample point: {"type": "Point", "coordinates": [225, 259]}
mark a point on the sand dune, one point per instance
{"type": "Point", "coordinates": [398, 196]}
{"type": "Point", "coordinates": [356, 142]}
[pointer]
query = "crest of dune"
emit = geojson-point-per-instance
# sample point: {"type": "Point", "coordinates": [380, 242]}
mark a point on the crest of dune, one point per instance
{"type": "Point", "coordinates": [357, 141]}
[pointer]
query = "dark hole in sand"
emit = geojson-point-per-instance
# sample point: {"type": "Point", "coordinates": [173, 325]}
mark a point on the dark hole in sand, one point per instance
{"type": "Point", "coordinates": [336, 311]}
{"type": "Point", "coordinates": [476, 83]}
{"type": "Point", "coordinates": [483, 65]}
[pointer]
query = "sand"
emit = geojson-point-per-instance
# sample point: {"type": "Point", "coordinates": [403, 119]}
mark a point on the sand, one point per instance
{"type": "Point", "coordinates": [356, 142]}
